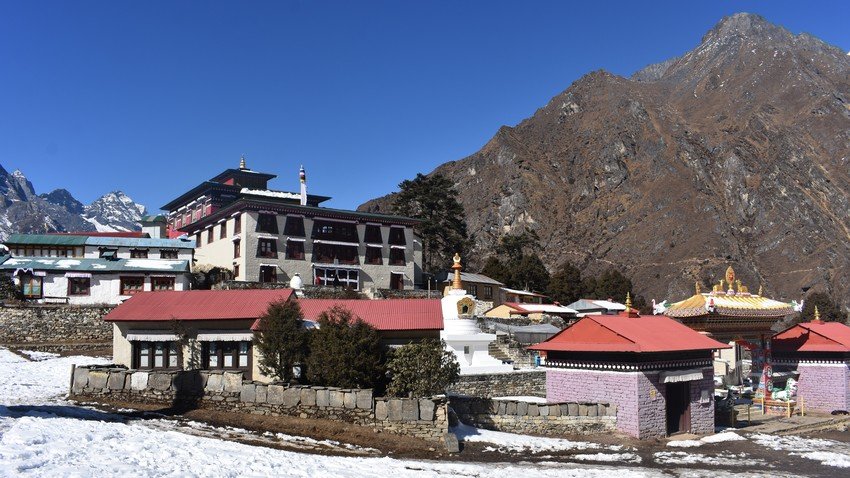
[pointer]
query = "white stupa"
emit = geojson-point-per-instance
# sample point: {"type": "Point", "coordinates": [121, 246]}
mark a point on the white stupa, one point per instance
{"type": "Point", "coordinates": [461, 333]}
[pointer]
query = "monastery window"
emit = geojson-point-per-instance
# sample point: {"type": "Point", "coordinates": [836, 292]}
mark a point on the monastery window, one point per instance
{"type": "Point", "coordinates": [472, 289]}
{"type": "Point", "coordinates": [226, 354]}
{"type": "Point", "coordinates": [108, 253]}
{"type": "Point", "coordinates": [294, 226]}
{"type": "Point", "coordinates": [335, 231]}
{"type": "Point", "coordinates": [162, 283]}
{"type": "Point", "coordinates": [267, 223]}
{"type": "Point", "coordinates": [156, 355]}
{"type": "Point", "coordinates": [349, 279]}
{"type": "Point", "coordinates": [488, 292]}
{"type": "Point", "coordinates": [31, 286]}
{"type": "Point", "coordinates": [198, 240]}
{"type": "Point", "coordinates": [267, 248]}
{"type": "Point", "coordinates": [179, 223]}
{"type": "Point", "coordinates": [237, 249]}
{"type": "Point", "coordinates": [138, 253]}
{"type": "Point", "coordinates": [397, 257]}
{"type": "Point", "coordinates": [237, 224]}
{"type": "Point", "coordinates": [235, 271]}
{"type": "Point", "coordinates": [222, 233]}
{"type": "Point", "coordinates": [373, 234]}
{"type": "Point", "coordinates": [210, 235]}
{"type": "Point", "coordinates": [329, 253]}
{"type": "Point", "coordinates": [295, 250]}
{"type": "Point", "coordinates": [132, 285]}
{"type": "Point", "coordinates": [168, 254]}
{"type": "Point", "coordinates": [79, 286]}
{"type": "Point", "coordinates": [396, 281]}
{"type": "Point", "coordinates": [373, 256]}
{"type": "Point", "coordinates": [268, 274]}
{"type": "Point", "coordinates": [397, 236]}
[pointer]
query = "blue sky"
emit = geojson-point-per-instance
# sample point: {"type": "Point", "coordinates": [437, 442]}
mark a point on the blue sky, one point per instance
{"type": "Point", "coordinates": [154, 97]}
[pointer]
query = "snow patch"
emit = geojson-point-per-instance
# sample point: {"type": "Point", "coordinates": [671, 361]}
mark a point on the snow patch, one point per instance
{"type": "Point", "coordinates": [513, 442]}
{"type": "Point", "coordinates": [827, 452]}
{"type": "Point", "coordinates": [717, 438]}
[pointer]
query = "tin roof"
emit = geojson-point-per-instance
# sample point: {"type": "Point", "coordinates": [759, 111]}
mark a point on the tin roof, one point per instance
{"type": "Point", "coordinates": [383, 314]}
{"type": "Point", "coordinates": [197, 305]}
{"type": "Point", "coordinates": [540, 308]}
{"type": "Point", "coordinates": [46, 239]}
{"type": "Point", "coordinates": [140, 242]}
{"type": "Point", "coordinates": [813, 337]}
{"type": "Point", "coordinates": [96, 239]}
{"type": "Point", "coordinates": [94, 265]}
{"type": "Point", "coordinates": [447, 276]}
{"type": "Point", "coordinates": [730, 305]}
{"type": "Point", "coordinates": [628, 333]}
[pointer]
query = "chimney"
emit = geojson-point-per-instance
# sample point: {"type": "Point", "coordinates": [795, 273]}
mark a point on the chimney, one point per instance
{"type": "Point", "coordinates": [302, 176]}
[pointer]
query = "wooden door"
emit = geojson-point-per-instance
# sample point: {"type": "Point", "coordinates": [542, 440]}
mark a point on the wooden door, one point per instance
{"type": "Point", "coordinates": [678, 397]}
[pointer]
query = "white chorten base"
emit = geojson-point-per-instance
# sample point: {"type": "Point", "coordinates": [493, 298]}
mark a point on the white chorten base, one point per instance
{"type": "Point", "coordinates": [466, 341]}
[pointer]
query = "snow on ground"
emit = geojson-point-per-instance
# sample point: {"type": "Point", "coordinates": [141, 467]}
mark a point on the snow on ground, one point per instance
{"type": "Point", "coordinates": [716, 438]}
{"type": "Point", "coordinates": [720, 459]}
{"type": "Point", "coordinates": [612, 457]}
{"type": "Point", "coordinates": [37, 356]}
{"type": "Point", "coordinates": [37, 383]}
{"type": "Point", "coordinates": [513, 442]}
{"type": "Point", "coordinates": [523, 399]}
{"type": "Point", "coordinates": [828, 452]}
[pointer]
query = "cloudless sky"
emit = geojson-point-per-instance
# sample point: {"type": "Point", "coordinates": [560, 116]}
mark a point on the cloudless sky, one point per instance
{"type": "Point", "coordinates": [154, 97]}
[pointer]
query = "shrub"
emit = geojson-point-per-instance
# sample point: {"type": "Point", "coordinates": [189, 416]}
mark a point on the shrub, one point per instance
{"type": "Point", "coordinates": [282, 340]}
{"type": "Point", "coordinates": [422, 369]}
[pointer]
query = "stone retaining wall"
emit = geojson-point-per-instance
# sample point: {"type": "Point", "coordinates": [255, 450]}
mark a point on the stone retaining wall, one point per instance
{"type": "Point", "coordinates": [426, 418]}
{"type": "Point", "coordinates": [42, 324]}
{"type": "Point", "coordinates": [553, 419]}
{"type": "Point", "coordinates": [530, 383]}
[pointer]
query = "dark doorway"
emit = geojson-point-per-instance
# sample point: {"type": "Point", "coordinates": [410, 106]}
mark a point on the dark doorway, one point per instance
{"type": "Point", "coordinates": [268, 274]}
{"type": "Point", "coordinates": [678, 397]}
{"type": "Point", "coordinates": [396, 281]}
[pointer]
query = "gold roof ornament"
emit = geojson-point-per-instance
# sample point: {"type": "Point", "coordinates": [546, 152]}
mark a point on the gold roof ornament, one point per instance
{"type": "Point", "coordinates": [456, 283]}
{"type": "Point", "coordinates": [628, 302]}
{"type": "Point", "coordinates": [760, 290]}
{"type": "Point", "coordinates": [697, 288]}
{"type": "Point", "coordinates": [817, 315]}
{"type": "Point", "coordinates": [242, 162]}
{"type": "Point", "coordinates": [738, 285]}
{"type": "Point", "coordinates": [730, 276]}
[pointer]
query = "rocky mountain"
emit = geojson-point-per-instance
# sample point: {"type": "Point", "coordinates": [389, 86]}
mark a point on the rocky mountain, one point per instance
{"type": "Point", "coordinates": [21, 210]}
{"type": "Point", "coordinates": [735, 153]}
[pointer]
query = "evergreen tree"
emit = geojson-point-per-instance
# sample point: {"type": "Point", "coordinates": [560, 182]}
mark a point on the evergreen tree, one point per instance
{"type": "Point", "coordinates": [282, 340]}
{"type": "Point", "coordinates": [494, 269]}
{"type": "Point", "coordinates": [612, 284]}
{"type": "Point", "coordinates": [829, 311]}
{"type": "Point", "coordinates": [565, 286]}
{"type": "Point", "coordinates": [345, 352]}
{"type": "Point", "coordinates": [529, 273]}
{"type": "Point", "coordinates": [443, 227]}
{"type": "Point", "coordinates": [422, 369]}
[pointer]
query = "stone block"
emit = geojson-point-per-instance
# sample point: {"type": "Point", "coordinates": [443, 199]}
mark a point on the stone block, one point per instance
{"type": "Point", "coordinates": [533, 410]}
{"type": "Point", "coordinates": [323, 397]}
{"type": "Point", "coordinates": [116, 380]}
{"type": "Point", "coordinates": [262, 393]}
{"type": "Point", "coordinates": [582, 409]}
{"type": "Point", "coordinates": [410, 410]}
{"type": "Point", "coordinates": [592, 410]}
{"type": "Point", "coordinates": [572, 409]}
{"type": "Point", "coordinates": [426, 409]}
{"type": "Point", "coordinates": [602, 409]}
{"type": "Point", "coordinates": [337, 398]}
{"type": "Point", "coordinates": [510, 408]}
{"type": "Point", "coordinates": [394, 409]}
{"type": "Point", "coordinates": [308, 397]}
{"type": "Point", "coordinates": [350, 399]}
{"type": "Point", "coordinates": [554, 410]}
{"type": "Point", "coordinates": [215, 383]}
{"type": "Point", "coordinates": [232, 381]}
{"type": "Point", "coordinates": [543, 410]}
{"type": "Point", "coordinates": [381, 410]}
{"type": "Point", "coordinates": [503, 407]}
{"type": "Point", "coordinates": [275, 394]}
{"type": "Point", "coordinates": [97, 379]}
{"type": "Point", "coordinates": [139, 381]}
{"type": "Point", "coordinates": [160, 381]}
{"type": "Point", "coordinates": [451, 441]}
{"type": "Point", "coordinates": [612, 410]}
{"type": "Point", "coordinates": [291, 397]}
{"type": "Point", "coordinates": [81, 379]}
{"type": "Point", "coordinates": [248, 394]}
{"type": "Point", "coordinates": [364, 399]}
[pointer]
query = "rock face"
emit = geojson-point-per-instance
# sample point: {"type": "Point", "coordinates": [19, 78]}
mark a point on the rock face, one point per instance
{"type": "Point", "coordinates": [735, 152]}
{"type": "Point", "coordinates": [21, 210]}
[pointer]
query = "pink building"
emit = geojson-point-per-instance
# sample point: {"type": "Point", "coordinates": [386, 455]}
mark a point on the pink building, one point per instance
{"type": "Point", "coordinates": [657, 371]}
{"type": "Point", "coordinates": [820, 353]}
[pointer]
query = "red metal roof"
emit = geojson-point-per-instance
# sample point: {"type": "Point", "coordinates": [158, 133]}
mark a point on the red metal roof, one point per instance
{"type": "Point", "coordinates": [197, 305]}
{"type": "Point", "coordinates": [628, 333]}
{"type": "Point", "coordinates": [813, 337]}
{"type": "Point", "coordinates": [383, 314]}
{"type": "Point", "coordinates": [131, 234]}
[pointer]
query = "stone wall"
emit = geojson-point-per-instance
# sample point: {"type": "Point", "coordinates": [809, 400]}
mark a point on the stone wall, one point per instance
{"type": "Point", "coordinates": [553, 419]}
{"type": "Point", "coordinates": [526, 383]}
{"type": "Point", "coordinates": [44, 324]}
{"type": "Point", "coordinates": [824, 387]}
{"type": "Point", "coordinates": [426, 418]}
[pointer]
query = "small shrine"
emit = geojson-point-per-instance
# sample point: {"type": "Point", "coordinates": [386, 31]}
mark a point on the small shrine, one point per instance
{"type": "Point", "coordinates": [656, 371]}
{"type": "Point", "coordinates": [461, 333]}
{"type": "Point", "coordinates": [731, 313]}
{"type": "Point", "coordinates": [818, 353]}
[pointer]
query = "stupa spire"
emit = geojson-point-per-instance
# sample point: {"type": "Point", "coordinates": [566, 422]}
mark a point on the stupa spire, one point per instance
{"type": "Point", "coordinates": [242, 162]}
{"type": "Point", "coordinates": [457, 284]}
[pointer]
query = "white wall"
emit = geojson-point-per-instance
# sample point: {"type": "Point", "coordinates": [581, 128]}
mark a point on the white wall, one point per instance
{"type": "Point", "coordinates": [105, 288]}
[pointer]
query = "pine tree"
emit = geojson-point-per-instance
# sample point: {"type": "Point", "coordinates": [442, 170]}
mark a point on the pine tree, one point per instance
{"type": "Point", "coordinates": [529, 273]}
{"type": "Point", "coordinates": [443, 227]}
{"type": "Point", "coordinates": [565, 286]}
{"type": "Point", "coordinates": [494, 269]}
{"type": "Point", "coordinates": [828, 310]}
{"type": "Point", "coordinates": [422, 369]}
{"type": "Point", "coordinates": [282, 340]}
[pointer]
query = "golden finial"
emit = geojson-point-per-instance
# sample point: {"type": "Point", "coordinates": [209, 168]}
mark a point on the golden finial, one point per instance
{"type": "Point", "coordinates": [242, 162]}
{"type": "Point", "coordinates": [817, 314]}
{"type": "Point", "coordinates": [730, 276]}
{"type": "Point", "coordinates": [721, 285]}
{"type": "Point", "coordinates": [456, 283]}
{"type": "Point", "coordinates": [716, 288]}
{"type": "Point", "coordinates": [628, 302]}
{"type": "Point", "coordinates": [697, 288]}
{"type": "Point", "coordinates": [760, 290]}
{"type": "Point", "coordinates": [738, 285]}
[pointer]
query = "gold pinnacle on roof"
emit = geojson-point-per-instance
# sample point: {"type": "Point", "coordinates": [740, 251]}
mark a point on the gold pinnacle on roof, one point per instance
{"type": "Point", "coordinates": [242, 162]}
{"type": "Point", "coordinates": [760, 290]}
{"type": "Point", "coordinates": [817, 314]}
{"type": "Point", "coordinates": [738, 285]}
{"type": "Point", "coordinates": [730, 276]}
{"type": "Point", "coordinates": [456, 283]}
{"type": "Point", "coordinates": [628, 302]}
{"type": "Point", "coordinates": [697, 288]}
